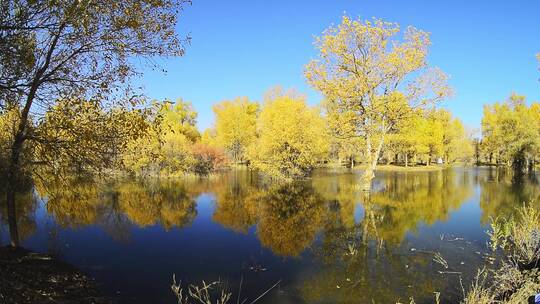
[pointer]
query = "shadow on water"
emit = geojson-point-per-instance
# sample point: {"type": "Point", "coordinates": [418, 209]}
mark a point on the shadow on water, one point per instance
{"type": "Point", "coordinates": [328, 240]}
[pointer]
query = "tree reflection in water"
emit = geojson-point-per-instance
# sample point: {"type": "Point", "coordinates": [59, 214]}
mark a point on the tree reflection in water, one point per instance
{"type": "Point", "coordinates": [360, 243]}
{"type": "Point", "coordinates": [25, 211]}
{"type": "Point", "coordinates": [114, 206]}
{"type": "Point", "coordinates": [501, 193]}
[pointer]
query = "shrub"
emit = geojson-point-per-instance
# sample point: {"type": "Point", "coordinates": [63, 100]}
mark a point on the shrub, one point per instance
{"type": "Point", "coordinates": [207, 159]}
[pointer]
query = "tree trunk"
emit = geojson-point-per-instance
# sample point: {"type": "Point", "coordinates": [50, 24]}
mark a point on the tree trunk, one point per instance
{"type": "Point", "coordinates": [406, 159]}
{"type": "Point", "coordinates": [373, 158]}
{"type": "Point", "coordinates": [12, 216]}
{"type": "Point", "coordinates": [14, 170]}
{"type": "Point", "coordinates": [12, 183]}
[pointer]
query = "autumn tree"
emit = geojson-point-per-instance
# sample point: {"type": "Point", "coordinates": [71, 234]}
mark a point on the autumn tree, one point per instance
{"type": "Point", "coordinates": [434, 129]}
{"type": "Point", "coordinates": [292, 138]}
{"type": "Point", "coordinates": [207, 159]}
{"type": "Point", "coordinates": [457, 141]}
{"type": "Point", "coordinates": [77, 136]}
{"type": "Point", "coordinates": [372, 80]}
{"type": "Point", "coordinates": [511, 132]}
{"type": "Point", "coordinates": [430, 134]}
{"type": "Point", "coordinates": [208, 137]}
{"type": "Point", "coordinates": [50, 49]}
{"type": "Point", "coordinates": [9, 121]}
{"type": "Point", "coordinates": [235, 126]}
{"type": "Point", "coordinates": [491, 131]}
{"type": "Point", "coordinates": [348, 149]}
{"type": "Point", "coordinates": [410, 138]}
{"type": "Point", "coordinates": [165, 146]}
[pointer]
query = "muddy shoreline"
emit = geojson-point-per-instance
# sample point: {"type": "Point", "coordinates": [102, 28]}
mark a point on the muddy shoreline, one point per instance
{"type": "Point", "coordinates": [29, 277]}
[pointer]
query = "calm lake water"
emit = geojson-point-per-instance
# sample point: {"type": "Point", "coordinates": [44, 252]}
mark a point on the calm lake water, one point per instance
{"type": "Point", "coordinates": [323, 238]}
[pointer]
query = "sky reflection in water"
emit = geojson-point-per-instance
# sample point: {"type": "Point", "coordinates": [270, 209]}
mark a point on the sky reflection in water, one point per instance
{"type": "Point", "coordinates": [326, 240]}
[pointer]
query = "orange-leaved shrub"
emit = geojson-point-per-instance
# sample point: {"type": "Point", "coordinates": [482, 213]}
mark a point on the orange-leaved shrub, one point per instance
{"type": "Point", "coordinates": [207, 158]}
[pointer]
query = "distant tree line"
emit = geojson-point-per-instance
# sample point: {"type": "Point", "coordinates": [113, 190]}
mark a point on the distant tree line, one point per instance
{"type": "Point", "coordinates": [510, 134]}
{"type": "Point", "coordinates": [286, 138]}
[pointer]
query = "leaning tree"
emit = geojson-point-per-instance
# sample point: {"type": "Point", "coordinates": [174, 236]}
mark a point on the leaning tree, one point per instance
{"type": "Point", "coordinates": [90, 49]}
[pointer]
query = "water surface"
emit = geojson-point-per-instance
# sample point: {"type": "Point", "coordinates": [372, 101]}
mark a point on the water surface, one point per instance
{"type": "Point", "coordinates": [326, 240]}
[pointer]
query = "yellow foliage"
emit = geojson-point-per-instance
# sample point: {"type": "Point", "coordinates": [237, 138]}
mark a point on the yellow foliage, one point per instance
{"type": "Point", "coordinates": [292, 139]}
{"type": "Point", "coordinates": [457, 143]}
{"type": "Point", "coordinates": [511, 130]}
{"type": "Point", "coordinates": [9, 121]}
{"type": "Point", "coordinates": [179, 118]}
{"type": "Point", "coordinates": [372, 80]}
{"type": "Point", "coordinates": [432, 133]}
{"type": "Point", "coordinates": [165, 146]}
{"type": "Point", "coordinates": [235, 126]}
{"type": "Point", "coordinates": [208, 137]}
{"type": "Point", "coordinates": [82, 135]}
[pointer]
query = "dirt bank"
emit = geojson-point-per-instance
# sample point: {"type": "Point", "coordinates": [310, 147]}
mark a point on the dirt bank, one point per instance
{"type": "Point", "coordinates": [28, 277]}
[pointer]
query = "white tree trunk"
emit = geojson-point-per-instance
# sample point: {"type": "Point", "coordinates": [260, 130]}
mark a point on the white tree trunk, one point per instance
{"type": "Point", "coordinates": [372, 159]}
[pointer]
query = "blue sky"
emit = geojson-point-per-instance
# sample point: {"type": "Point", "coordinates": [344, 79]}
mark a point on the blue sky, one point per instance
{"type": "Point", "coordinates": [243, 48]}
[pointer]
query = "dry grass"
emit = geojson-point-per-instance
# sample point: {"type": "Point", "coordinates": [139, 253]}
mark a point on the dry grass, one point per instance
{"type": "Point", "coordinates": [210, 293]}
{"type": "Point", "coordinates": [204, 294]}
{"type": "Point", "coordinates": [479, 292]}
{"type": "Point", "coordinates": [517, 277]}
{"type": "Point", "coordinates": [438, 258]}
{"type": "Point", "coordinates": [516, 244]}
{"type": "Point", "coordinates": [519, 236]}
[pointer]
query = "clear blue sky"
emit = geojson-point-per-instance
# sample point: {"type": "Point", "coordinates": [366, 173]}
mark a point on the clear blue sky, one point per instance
{"type": "Point", "coordinates": [242, 48]}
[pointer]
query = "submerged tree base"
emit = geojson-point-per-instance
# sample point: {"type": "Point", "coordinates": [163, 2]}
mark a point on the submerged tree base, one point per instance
{"type": "Point", "coordinates": [28, 277]}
